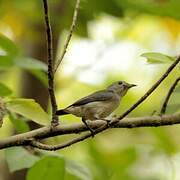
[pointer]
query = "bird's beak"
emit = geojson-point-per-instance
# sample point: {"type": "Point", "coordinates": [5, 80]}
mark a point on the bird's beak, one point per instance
{"type": "Point", "coordinates": [131, 85]}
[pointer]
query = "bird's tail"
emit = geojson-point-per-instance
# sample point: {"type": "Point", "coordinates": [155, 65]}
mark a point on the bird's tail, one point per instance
{"type": "Point", "coordinates": [61, 112]}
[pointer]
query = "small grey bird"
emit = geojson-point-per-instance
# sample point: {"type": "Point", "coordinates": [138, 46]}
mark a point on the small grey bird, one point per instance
{"type": "Point", "coordinates": [98, 105]}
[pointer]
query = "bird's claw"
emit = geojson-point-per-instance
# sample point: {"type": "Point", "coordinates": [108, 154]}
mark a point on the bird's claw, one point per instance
{"type": "Point", "coordinates": [107, 121]}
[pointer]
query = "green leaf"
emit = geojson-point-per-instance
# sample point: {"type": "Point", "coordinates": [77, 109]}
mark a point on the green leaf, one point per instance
{"type": "Point", "coordinates": [48, 168]}
{"type": "Point", "coordinates": [78, 170]}
{"type": "Point", "coordinates": [158, 58]}
{"type": "Point", "coordinates": [20, 125]}
{"type": "Point", "coordinates": [30, 63]}
{"type": "Point", "coordinates": [19, 158]}
{"type": "Point", "coordinates": [6, 62]}
{"type": "Point", "coordinates": [4, 90]}
{"type": "Point", "coordinates": [8, 46]}
{"type": "Point", "coordinates": [34, 66]}
{"type": "Point", "coordinates": [29, 109]}
{"type": "Point", "coordinates": [73, 168]}
{"type": "Point", "coordinates": [41, 75]}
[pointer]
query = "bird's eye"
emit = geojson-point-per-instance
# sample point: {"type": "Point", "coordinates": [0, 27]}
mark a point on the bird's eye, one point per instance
{"type": "Point", "coordinates": [120, 82]}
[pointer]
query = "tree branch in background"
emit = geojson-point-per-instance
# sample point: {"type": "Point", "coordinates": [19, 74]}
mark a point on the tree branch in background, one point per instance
{"type": "Point", "coordinates": [172, 88]}
{"type": "Point", "coordinates": [45, 132]}
{"type": "Point", "coordinates": [69, 35]}
{"type": "Point", "coordinates": [54, 121]}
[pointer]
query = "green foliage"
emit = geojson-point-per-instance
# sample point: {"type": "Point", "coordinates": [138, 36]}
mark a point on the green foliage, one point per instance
{"type": "Point", "coordinates": [8, 46]}
{"type": "Point", "coordinates": [19, 158]}
{"type": "Point", "coordinates": [112, 165]}
{"type": "Point", "coordinates": [158, 58]}
{"type": "Point", "coordinates": [4, 90]}
{"type": "Point", "coordinates": [5, 62]}
{"type": "Point", "coordinates": [30, 63]}
{"type": "Point", "coordinates": [42, 76]}
{"type": "Point", "coordinates": [106, 164]}
{"type": "Point", "coordinates": [49, 167]}
{"type": "Point", "coordinates": [164, 141]}
{"type": "Point", "coordinates": [169, 8]}
{"type": "Point", "coordinates": [47, 163]}
{"type": "Point", "coordinates": [77, 171]}
{"type": "Point", "coordinates": [12, 58]}
{"type": "Point", "coordinates": [74, 169]}
{"type": "Point", "coordinates": [29, 109]}
{"type": "Point", "coordinates": [19, 123]}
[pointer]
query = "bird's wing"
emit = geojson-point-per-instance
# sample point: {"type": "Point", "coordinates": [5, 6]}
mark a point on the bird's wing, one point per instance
{"type": "Point", "coordinates": [97, 96]}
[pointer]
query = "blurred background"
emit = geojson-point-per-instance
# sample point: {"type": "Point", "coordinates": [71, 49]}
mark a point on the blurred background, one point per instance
{"type": "Point", "coordinates": [107, 44]}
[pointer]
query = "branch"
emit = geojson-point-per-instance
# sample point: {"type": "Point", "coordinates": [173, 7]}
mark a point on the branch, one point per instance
{"type": "Point", "coordinates": [114, 122]}
{"type": "Point", "coordinates": [149, 92]}
{"type": "Point", "coordinates": [45, 132]}
{"type": "Point", "coordinates": [30, 138]}
{"type": "Point", "coordinates": [172, 88]}
{"type": "Point", "coordinates": [54, 121]}
{"type": "Point", "coordinates": [69, 35]}
{"type": "Point", "coordinates": [151, 121]}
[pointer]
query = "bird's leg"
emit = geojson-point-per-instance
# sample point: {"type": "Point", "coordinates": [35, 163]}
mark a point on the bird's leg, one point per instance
{"type": "Point", "coordinates": [86, 124]}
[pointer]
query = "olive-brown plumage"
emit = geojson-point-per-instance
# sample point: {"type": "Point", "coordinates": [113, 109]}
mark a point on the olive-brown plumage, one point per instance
{"type": "Point", "coordinates": [98, 105]}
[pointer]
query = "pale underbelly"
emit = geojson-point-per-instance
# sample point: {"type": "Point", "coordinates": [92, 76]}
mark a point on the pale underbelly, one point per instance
{"type": "Point", "coordinates": [94, 110]}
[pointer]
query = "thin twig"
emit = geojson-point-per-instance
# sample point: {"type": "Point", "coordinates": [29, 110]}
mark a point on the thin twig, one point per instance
{"type": "Point", "coordinates": [172, 88]}
{"type": "Point", "coordinates": [69, 35]}
{"type": "Point", "coordinates": [149, 92]}
{"type": "Point", "coordinates": [54, 121]}
{"type": "Point", "coordinates": [114, 122]}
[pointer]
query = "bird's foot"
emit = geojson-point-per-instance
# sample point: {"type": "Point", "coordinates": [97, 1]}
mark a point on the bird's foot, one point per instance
{"type": "Point", "coordinates": [107, 121]}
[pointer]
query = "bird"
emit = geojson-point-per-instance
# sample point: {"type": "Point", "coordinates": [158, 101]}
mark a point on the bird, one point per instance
{"type": "Point", "coordinates": [99, 104]}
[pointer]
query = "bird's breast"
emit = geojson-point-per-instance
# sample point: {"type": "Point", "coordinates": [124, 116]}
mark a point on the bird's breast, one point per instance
{"type": "Point", "coordinates": [100, 109]}
{"type": "Point", "coordinates": [94, 110]}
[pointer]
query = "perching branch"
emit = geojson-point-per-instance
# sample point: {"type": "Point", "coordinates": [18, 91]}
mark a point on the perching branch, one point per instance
{"type": "Point", "coordinates": [172, 88]}
{"type": "Point", "coordinates": [28, 138]}
{"type": "Point", "coordinates": [45, 132]}
{"type": "Point", "coordinates": [114, 122]}
{"type": "Point", "coordinates": [54, 121]}
{"type": "Point", "coordinates": [151, 121]}
{"type": "Point", "coordinates": [69, 35]}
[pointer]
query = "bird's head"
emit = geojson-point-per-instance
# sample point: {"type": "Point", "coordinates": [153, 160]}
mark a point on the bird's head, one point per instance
{"type": "Point", "coordinates": [120, 87]}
